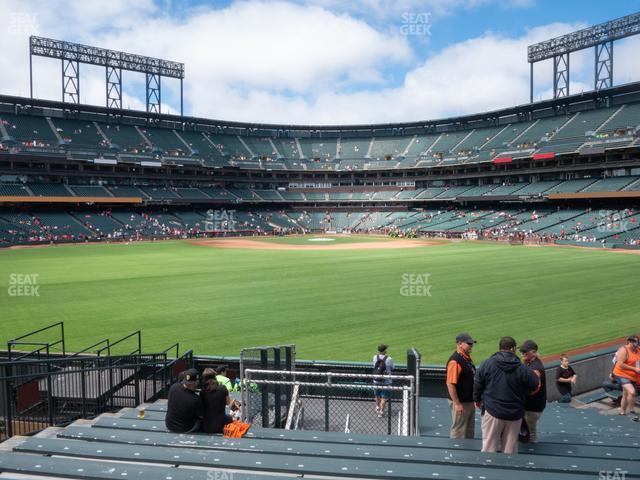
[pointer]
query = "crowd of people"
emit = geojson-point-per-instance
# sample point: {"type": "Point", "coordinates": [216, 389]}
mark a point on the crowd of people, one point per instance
{"type": "Point", "coordinates": [511, 393]}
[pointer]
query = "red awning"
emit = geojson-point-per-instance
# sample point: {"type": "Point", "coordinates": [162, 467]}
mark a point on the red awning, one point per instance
{"type": "Point", "coordinates": [543, 156]}
{"type": "Point", "coordinates": [503, 160]}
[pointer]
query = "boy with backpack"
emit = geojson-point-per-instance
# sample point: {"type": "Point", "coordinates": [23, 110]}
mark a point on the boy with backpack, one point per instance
{"type": "Point", "coordinates": [382, 365]}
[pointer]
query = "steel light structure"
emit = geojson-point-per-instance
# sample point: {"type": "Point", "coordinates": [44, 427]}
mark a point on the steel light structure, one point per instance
{"type": "Point", "coordinates": [73, 54]}
{"type": "Point", "coordinates": [600, 36]}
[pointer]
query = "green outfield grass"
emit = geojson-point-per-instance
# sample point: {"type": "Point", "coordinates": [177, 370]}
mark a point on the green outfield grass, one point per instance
{"type": "Point", "coordinates": [331, 304]}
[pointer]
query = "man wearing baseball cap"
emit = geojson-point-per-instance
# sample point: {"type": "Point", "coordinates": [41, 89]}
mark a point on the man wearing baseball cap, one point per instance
{"type": "Point", "coordinates": [460, 374]}
{"type": "Point", "coordinates": [184, 405]}
{"type": "Point", "coordinates": [501, 386]}
{"type": "Point", "coordinates": [537, 399]}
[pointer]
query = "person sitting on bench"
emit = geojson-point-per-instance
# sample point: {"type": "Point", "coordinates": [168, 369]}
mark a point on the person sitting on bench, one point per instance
{"type": "Point", "coordinates": [215, 397]}
{"type": "Point", "coordinates": [184, 406]}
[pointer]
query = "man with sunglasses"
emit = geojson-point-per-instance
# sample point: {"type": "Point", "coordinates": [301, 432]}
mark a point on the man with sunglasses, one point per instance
{"type": "Point", "coordinates": [460, 374]}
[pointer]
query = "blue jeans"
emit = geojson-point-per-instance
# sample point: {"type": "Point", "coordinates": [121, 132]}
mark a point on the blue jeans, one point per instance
{"type": "Point", "coordinates": [566, 398]}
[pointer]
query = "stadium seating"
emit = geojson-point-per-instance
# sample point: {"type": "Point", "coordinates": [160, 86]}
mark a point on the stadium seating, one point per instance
{"type": "Point", "coordinates": [506, 189]}
{"type": "Point", "coordinates": [89, 191]}
{"type": "Point", "coordinates": [98, 223]}
{"type": "Point", "coordinates": [32, 130]}
{"type": "Point", "coordinates": [448, 141]}
{"type": "Point", "coordinates": [574, 444]}
{"type": "Point", "coordinates": [269, 195]}
{"type": "Point", "coordinates": [159, 193]}
{"type": "Point", "coordinates": [477, 191]}
{"type": "Point", "coordinates": [324, 149]}
{"type": "Point", "coordinates": [80, 134]}
{"type": "Point", "coordinates": [197, 141]}
{"type": "Point", "coordinates": [571, 186]}
{"type": "Point", "coordinates": [192, 193]}
{"type": "Point", "coordinates": [354, 148]}
{"type": "Point", "coordinates": [126, 191]}
{"type": "Point", "coordinates": [14, 189]}
{"type": "Point", "coordinates": [536, 188]}
{"type": "Point", "coordinates": [229, 145]}
{"type": "Point", "coordinates": [49, 190]}
{"type": "Point", "coordinates": [315, 196]}
{"type": "Point", "coordinates": [610, 184]}
{"type": "Point", "coordinates": [453, 192]}
{"type": "Point", "coordinates": [126, 137]}
{"type": "Point", "coordinates": [164, 139]}
{"type": "Point", "coordinates": [392, 147]}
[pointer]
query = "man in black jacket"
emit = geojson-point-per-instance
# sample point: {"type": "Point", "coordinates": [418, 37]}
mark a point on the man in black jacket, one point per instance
{"type": "Point", "coordinates": [501, 387]}
{"type": "Point", "coordinates": [537, 400]}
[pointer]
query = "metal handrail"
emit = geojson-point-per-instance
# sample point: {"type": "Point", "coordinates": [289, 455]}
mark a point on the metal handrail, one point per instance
{"type": "Point", "coordinates": [14, 341]}
{"type": "Point", "coordinates": [90, 347]}
{"type": "Point", "coordinates": [137, 333]}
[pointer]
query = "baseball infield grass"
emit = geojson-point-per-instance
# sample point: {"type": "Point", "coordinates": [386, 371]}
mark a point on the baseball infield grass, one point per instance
{"type": "Point", "coordinates": [331, 304]}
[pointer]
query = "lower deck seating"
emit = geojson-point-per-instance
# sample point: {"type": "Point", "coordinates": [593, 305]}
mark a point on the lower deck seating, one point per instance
{"type": "Point", "coordinates": [124, 446]}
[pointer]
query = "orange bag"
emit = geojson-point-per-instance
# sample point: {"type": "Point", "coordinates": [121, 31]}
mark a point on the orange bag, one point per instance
{"type": "Point", "coordinates": [236, 429]}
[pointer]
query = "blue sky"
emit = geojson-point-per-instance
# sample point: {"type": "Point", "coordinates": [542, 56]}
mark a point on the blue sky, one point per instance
{"type": "Point", "coordinates": [318, 61]}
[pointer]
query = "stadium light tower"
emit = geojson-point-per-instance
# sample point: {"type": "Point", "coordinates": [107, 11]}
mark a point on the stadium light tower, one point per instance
{"type": "Point", "coordinates": [73, 54]}
{"type": "Point", "coordinates": [599, 36]}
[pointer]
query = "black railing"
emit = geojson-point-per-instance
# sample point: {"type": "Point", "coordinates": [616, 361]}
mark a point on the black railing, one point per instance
{"type": "Point", "coordinates": [35, 394]}
{"type": "Point", "coordinates": [109, 346]}
{"type": "Point", "coordinates": [46, 346]}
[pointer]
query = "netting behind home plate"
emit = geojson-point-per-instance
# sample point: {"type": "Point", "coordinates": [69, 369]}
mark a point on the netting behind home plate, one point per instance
{"type": "Point", "coordinates": [342, 402]}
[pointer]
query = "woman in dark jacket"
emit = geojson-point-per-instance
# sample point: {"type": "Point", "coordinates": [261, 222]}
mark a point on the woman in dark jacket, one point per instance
{"type": "Point", "coordinates": [215, 398]}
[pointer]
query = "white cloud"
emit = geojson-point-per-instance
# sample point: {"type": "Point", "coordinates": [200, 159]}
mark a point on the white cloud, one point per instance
{"type": "Point", "coordinates": [305, 63]}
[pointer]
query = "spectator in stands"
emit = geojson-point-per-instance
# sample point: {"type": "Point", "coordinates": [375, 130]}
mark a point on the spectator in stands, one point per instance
{"type": "Point", "coordinates": [460, 375]}
{"type": "Point", "coordinates": [501, 386]}
{"type": "Point", "coordinates": [222, 379]}
{"type": "Point", "coordinates": [215, 398]}
{"type": "Point", "coordinates": [627, 373]}
{"type": "Point", "coordinates": [184, 406]}
{"type": "Point", "coordinates": [382, 365]}
{"type": "Point", "coordinates": [537, 399]}
{"type": "Point", "coordinates": [565, 378]}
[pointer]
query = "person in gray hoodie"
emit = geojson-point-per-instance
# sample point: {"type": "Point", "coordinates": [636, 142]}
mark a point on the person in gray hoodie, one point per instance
{"type": "Point", "coordinates": [500, 389]}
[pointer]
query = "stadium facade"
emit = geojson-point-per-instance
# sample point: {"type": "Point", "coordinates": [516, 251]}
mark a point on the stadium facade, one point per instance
{"type": "Point", "coordinates": [564, 170]}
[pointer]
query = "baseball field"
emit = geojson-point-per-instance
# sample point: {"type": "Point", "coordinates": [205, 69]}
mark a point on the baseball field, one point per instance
{"type": "Point", "coordinates": [333, 297]}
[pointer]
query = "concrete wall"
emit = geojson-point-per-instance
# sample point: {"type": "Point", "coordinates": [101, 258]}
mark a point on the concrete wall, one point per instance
{"type": "Point", "coordinates": [592, 369]}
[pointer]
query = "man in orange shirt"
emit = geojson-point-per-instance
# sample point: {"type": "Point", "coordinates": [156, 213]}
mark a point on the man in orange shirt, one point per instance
{"type": "Point", "coordinates": [460, 376]}
{"type": "Point", "coordinates": [627, 373]}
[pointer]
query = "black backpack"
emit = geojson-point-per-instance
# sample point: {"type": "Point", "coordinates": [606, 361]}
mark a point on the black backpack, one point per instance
{"type": "Point", "coordinates": [380, 367]}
